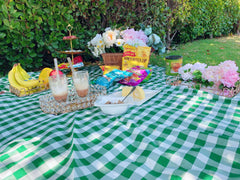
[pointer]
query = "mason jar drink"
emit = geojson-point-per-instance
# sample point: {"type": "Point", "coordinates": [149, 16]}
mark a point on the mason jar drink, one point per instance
{"type": "Point", "coordinates": [59, 87]}
{"type": "Point", "coordinates": [81, 82]}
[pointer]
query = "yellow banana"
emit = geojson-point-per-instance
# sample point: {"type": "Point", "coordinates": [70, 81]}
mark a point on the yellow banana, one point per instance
{"type": "Point", "coordinates": [26, 83]}
{"type": "Point", "coordinates": [24, 74]}
{"type": "Point", "coordinates": [13, 83]}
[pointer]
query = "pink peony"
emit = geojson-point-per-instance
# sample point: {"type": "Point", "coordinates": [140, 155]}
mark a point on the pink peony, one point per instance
{"type": "Point", "coordinates": [228, 65]}
{"type": "Point", "coordinates": [230, 78]}
{"type": "Point", "coordinates": [213, 74]}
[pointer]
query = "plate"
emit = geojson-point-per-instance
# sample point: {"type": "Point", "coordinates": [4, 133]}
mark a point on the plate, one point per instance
{"type": "Point", "coordinates": [130, 100]}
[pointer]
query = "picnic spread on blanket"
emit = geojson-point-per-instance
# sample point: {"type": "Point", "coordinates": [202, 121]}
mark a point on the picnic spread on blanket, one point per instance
{"type": "Point", "coordinates": [179, 132]}
{"type": "Point", "coordinates": [124, 119]}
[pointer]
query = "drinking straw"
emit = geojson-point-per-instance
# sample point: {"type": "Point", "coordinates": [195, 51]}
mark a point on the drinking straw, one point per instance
{"type": "Point", "coordinates": [56, 67]}
{"type": "Point", "coordinates": [70, 63]}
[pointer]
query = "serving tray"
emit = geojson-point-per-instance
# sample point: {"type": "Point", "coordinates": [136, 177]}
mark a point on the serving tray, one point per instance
{"type": "Point", "coordinates": [49, 105]}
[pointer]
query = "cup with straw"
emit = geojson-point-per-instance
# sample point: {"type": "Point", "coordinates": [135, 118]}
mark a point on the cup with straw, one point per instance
{"type": "Point", "coordinates": [58, 84]}
{"type": "Point", "coordinates": [80, 81]}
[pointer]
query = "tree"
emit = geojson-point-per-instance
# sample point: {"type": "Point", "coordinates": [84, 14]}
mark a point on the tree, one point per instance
{"type": "Point", "coordinates": [177, 13]}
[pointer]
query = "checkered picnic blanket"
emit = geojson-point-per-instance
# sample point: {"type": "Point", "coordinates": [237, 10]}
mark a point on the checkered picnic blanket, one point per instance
{"type": "Point", "coordinates": [180, 133]}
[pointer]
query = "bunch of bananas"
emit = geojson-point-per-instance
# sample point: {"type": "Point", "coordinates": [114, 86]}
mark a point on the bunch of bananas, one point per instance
{"type": "Point", "coordinates": [21, 81]}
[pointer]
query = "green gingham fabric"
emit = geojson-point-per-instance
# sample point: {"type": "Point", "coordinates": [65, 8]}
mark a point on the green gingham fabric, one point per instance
{"type": "Point", "coordinates": [180, 133]}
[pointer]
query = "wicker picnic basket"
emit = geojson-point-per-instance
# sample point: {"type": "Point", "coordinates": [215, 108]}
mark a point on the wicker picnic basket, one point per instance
{"type": "Point", "coordinates": [112, 59]}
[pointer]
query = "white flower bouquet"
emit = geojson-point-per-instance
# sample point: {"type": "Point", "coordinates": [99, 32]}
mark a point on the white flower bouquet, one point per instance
{"type": "Point", "coordinates": [112, 41]}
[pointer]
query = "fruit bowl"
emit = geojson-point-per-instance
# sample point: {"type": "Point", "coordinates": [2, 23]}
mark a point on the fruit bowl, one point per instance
{"type": "Point", "coordinates": [111, 109]}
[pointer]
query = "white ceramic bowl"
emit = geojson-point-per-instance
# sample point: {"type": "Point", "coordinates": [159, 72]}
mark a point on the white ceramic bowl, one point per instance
{"type": "Point", "coordinates": [111, 109]}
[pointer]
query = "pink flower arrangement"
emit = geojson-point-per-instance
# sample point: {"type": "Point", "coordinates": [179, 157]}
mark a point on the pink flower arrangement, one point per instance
{"type": "Point", "coordinates": [222, 79]}
{"type": "Point", "coordinates": [228, 65]}
{"type": "Point", "coordinates": [230, 78]}
{"type": "Point", "coordinates": [225, 73]}
{"type": "Point", "coordinates": [213, 74]}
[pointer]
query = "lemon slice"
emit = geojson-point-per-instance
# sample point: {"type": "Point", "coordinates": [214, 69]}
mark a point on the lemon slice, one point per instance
{"type": "Point", "coordinates": [139, 93]}
{"type": "Point", "coordinates": [43, 76]}
{"type": "Point", "coordinates": [126, 90]}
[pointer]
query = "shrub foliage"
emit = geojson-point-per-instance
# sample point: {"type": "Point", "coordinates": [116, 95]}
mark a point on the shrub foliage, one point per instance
{"type": "Point", "coordinates": [211, 18]}
{"type": "Point", "coordinates": [31, 31]}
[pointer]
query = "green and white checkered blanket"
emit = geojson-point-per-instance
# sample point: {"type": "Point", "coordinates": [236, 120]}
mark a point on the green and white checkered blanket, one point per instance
{"type": "Point", "coordinates": [180, 133]}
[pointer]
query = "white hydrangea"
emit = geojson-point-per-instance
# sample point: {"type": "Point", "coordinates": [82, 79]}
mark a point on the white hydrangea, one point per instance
{"type": "Point", "coordinates": [198, 66]}
{"type": "Point", "coordinates": [187, 76]}
{"type": "Point", "coordinates": [185, 72]}
{"type": "Point", "coordinates": [186, 67]}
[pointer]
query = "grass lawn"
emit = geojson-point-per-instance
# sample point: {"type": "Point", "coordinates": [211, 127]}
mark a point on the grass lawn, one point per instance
{"type": "Point", "coordinates": [209, 51]}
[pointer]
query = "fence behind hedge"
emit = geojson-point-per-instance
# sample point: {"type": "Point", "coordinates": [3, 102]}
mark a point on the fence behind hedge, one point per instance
{"type": "Point", "coordinates": [31, 31]}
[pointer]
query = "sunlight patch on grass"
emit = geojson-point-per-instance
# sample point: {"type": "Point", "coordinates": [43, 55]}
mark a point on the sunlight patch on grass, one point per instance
{"type": "Point", "coordinates": [209, 51]}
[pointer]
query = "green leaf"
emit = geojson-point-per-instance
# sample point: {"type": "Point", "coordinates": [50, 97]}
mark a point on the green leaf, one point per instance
{"type": "Point", "coordinates": [4, 9]}
{"type": "Point", "coordinates": [198, 86]}
{"type": "Point", "coordinates": [55, 45]}
{"type": "Point", "coordinates": [20, 6]}
{"type": "Point", "coordinates": [39, 20]}
{"type": "Point", "coordinates": [2, 35]}
{"type": "Point", "coordinates": [33, 54]}
{"type": "Point", "coordinates": [6, 22]}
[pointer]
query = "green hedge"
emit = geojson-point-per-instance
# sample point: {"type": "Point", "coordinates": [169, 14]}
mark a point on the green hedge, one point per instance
{"type": "Point", "coordinates": [211, 18]}
{"type": "Point", "coordinates": [31, 31]}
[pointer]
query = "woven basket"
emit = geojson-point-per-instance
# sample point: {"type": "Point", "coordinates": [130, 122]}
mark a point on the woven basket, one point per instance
{"type": "Point", "coordinates": [112, 59]}
{"type": "Point", "coordinates": [32, 90]}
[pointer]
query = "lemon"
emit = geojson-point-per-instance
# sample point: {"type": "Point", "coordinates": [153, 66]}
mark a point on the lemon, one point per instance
{"type": "Point", "coordinates": [126, 90]}
{"type": "Point", "coordinates": [138, 93]}
{"type": "Point", "coordinates": [44, 74]}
